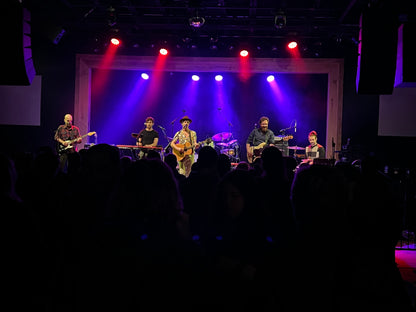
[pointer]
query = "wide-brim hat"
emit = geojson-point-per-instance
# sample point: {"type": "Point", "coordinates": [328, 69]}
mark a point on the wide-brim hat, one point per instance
{"type": "Point", "coordinates": [185, 118]}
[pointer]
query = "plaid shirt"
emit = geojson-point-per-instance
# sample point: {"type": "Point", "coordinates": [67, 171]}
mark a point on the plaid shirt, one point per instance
{"type": "Point", "coordinates": [66, 134]}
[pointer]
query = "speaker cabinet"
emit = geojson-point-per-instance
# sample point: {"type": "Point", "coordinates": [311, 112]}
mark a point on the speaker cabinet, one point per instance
{"type": "Point", "coordinates": [18, 68]}
{"type": "Point", "coordinates": [377, 50]}
{"type": "Point", "coordinates": [406, 61]}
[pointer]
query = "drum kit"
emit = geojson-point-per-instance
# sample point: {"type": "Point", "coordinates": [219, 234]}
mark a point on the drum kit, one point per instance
{"type": "Point", "coordinates": [226, 146]}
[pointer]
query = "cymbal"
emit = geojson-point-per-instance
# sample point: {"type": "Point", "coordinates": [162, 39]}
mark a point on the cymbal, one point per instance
{"type": "Point", "coordinates": [222, 136]}
{"type": "Point", "coordinates": [298, 148]}
{"type": "Point", "coordinates": [222, 144]}
{"type": "Point", "coordinates": [135, 135]}
{"type": "Point", "coordinates": [232, 142]}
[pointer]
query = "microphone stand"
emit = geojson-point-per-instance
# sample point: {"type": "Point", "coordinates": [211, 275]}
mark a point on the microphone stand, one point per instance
{"type": "Point", "coordinates": [167, 139]}
{"type": "Point", "coordinates": [172, 123]}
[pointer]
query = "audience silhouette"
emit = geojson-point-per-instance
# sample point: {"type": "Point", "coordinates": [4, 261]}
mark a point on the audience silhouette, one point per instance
{"type": "Point", "coordinates": [116, 233]}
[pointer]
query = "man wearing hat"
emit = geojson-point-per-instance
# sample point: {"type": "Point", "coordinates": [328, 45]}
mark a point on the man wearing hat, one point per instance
{"type": "Point", "coordinates": [183, 146]}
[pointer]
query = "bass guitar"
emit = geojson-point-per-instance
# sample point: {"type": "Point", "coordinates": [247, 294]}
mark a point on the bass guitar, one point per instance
{"type": "Point", "coordinates": [257, 150]}
{"type": "Point", "coordinates": [187, 149]}
{"type": "Point", "coordinates": [62, 148]}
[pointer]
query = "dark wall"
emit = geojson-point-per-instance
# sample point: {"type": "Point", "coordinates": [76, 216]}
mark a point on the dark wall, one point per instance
{"type": "Point", "coordinates": [56, 65]}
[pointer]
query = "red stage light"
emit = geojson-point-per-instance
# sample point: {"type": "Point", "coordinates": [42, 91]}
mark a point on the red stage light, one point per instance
{"type": "Point", "coordinates": [163, 51]}
{"type": "Point", "coordinates": [244, 53]}
{"type": "Point", "coordinates": [292, 45]}
{"type": "Point", "coordinates": [115, 41]}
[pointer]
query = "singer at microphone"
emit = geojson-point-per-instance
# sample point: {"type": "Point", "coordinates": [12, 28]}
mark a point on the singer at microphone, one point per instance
{"type": "Point", "coordinates": [184, 144]}
{"type": "Point", "coordinates": [147, 137]}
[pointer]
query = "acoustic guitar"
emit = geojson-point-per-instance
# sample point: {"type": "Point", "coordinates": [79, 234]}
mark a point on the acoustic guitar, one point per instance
{"type": "Point", "coordinates": [257, 150]}
{"type": "Point", "coordinates": [188, 149]}
{"type": "Point", "coordinates": [62, 148]}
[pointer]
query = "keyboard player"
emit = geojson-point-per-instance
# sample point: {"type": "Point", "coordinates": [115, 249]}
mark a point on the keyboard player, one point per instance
{"type": "Point", "coordinates": [147, 137]}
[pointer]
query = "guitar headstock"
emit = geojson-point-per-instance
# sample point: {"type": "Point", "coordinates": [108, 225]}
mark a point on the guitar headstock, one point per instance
{"type": "Point", "coordinates": [91, 133]}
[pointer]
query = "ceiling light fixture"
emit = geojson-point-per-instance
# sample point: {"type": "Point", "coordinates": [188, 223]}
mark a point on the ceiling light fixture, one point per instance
{"type": "Point", "coordinates": [280, 20]}
{"type": "Point", "coordinates": [196, 21]}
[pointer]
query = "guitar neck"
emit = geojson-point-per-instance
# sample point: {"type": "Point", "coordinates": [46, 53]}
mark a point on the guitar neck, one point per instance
{"type": "Point", "coordinates": [193, 146]}
{"type": "Point", "coordinates": [81, 137]}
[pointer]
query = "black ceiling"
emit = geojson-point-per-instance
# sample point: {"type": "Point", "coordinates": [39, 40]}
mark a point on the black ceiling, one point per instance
{"type": "Point", "coordinates": [331, 25]}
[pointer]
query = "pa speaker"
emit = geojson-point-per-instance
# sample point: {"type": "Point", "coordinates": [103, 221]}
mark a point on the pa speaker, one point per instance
{"type": "Point", "coordinates": [377, 50]}
{"type": "Point", "coordinates": [406, 61]}
{"type": "Point", "coordinates": [18, 66]}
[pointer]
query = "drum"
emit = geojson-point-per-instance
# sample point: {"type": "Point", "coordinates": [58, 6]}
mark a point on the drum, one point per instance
{"type": "Point", "coordinates": [229, 152]}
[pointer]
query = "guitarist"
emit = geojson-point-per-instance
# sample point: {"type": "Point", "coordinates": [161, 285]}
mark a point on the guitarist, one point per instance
{"type": "Point", "coordinates": [65, 136]}
{"type": "Point", "coordinates": [259, 137]}
{"type": "Point", "coordinates": [184, 143]}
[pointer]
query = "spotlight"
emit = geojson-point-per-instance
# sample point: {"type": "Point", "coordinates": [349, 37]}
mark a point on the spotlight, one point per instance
{"type": "Point", "coordinates": [115, 41]}
{"type": "Point", "coordinates": [195, 77]}
{"type": "Point", "coordinates": [280, 20]}
{"type": "Point", "coordinates": [270, 78]}
{"type": "Point", "coordinates": [243, 53]}
{"type": "Point", "coordinates": [292, 45]}
{"type": "Point", "coordinates": [163, 51]}
{"type": "Point", "coordinates": [145, 76]}
{"type": "Point", "coordinates": [218, 78]}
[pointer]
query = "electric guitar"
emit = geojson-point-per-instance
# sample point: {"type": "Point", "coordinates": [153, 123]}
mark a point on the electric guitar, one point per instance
{"type": "Point", "coordinates": [187, 149]}
{"type": "Point", "coordinates": [257, 150]}
{"type": "Point", "coordinates": [62, 148]}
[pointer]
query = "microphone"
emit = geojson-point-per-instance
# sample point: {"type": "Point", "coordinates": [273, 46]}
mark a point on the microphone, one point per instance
{"type": "Point", "coordinates": [161, 127]}
{"type": "Point", "coordinates": [173, 121]}
{"type": "Point", "coordinates": [296, 123]}
{"type": "Point", "coordinates": [145, 124]}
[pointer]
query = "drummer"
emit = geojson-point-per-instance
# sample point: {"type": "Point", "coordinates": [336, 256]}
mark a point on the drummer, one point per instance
{"type": "Point", "coordinates": [209, 142]}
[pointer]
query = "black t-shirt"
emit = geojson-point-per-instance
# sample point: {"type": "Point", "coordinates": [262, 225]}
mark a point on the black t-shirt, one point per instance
{"type": "Point", "coordinates": [147, 136]}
